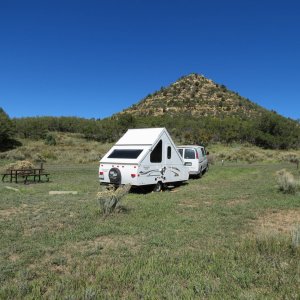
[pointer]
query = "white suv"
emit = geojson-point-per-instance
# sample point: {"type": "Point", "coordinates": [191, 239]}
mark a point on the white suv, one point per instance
{"type": "Point", "coordinates": [194, 158]}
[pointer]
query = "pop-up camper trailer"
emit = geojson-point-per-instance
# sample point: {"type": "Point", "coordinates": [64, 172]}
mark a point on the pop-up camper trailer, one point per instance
{"type": "Point", "coordinates": [143, 157]}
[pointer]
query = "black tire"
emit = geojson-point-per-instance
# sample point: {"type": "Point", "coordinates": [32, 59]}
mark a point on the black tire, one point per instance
{"type": "Point", "coordinates": [200, 174]}
{"type": "Point", "coordinates": [205, 170]}
{"type": "Point", "coordinates": [157, 187]}
{"type": "Point", "coordinates": [114, 176]}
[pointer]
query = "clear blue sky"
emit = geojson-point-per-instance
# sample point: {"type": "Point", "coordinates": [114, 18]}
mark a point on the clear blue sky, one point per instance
{"type": "Point", "coordinates": [95, 58]}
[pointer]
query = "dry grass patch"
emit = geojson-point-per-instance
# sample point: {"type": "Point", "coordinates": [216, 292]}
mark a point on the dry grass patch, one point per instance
{"type": "Point", "coordinates": [236, 202]}
{"type": "Point", "coordinates": [283, 221]}
{"type": "Point", "coordinates": [12, 211]}
{"type": "Point", "coordinates": [103, 244]}
{"type": "Point", "coordinates": [241, 200]}
{"type": "Point", "coordinates": [14, 257]}
{"type": "Point", "coordinates": [194, 203]}
{"type": "Point", "coordinates": [189, 204]}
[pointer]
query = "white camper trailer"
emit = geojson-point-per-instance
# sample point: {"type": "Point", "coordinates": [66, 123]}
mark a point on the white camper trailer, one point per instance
{"type": "Point", "coordinates": [143, 157]}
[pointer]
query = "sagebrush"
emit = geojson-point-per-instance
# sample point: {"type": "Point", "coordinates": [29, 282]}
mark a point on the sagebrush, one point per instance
{"type": "Point", "coordinates": [109, 199]}
{"type": "Point", "coordinates": [286, 182]}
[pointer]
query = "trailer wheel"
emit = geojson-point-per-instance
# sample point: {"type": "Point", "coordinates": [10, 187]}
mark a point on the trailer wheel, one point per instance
{"type": "Point", "coordinates": [114, 175]}
{"type": "Point", "coordinates": [157, 187]}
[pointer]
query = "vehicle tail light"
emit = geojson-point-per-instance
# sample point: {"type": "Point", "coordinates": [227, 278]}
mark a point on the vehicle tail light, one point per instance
{"type": "Point", "coordinates": [133, 175]}
{"type": "Point", "coordinates": [101, 175]}
{"type": "Point", "coordinates": [197, 155]}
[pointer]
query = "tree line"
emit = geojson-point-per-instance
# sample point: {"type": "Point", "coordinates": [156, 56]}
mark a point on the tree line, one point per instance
{"type": "Point", "coordinates": [268, 130]}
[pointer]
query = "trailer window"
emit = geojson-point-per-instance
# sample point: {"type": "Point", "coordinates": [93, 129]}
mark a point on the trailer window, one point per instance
{"type": "Point", "coordinates": [180, 152]}
{"type": "Point", "coordinates": [169, 152]}
{"type": "Point", "coordinates": [126, 153]}
{"type": "Point", "coordinates": [156, 154]}
{"type": "Point", "coordinates": [189, 154]}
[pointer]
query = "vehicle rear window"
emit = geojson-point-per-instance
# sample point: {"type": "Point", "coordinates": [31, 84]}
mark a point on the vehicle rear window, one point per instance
{"type": "Point", "coordinates": [189, 154]}
{"type": "Point", "coordinates": [126, 153]}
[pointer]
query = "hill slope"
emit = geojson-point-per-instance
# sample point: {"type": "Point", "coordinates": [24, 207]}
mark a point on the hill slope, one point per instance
{"type": "Point", "coordinates": [196, 95]}
{"type": "Point", "coordinates": [198, 110]}
{"type": "Point", "coordinates": [194, 109]}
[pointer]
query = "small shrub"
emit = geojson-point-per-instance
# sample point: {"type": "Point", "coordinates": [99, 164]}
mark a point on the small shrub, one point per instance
{"type": "Point", "coordinates": [109, 199]}
{"type": "Point", "coordinates": [292, 158]}
{"type": "Point", "coordinates": [286, 182]}
{"type": "Point", "coordinates": [211, 159]}
{"type": "Point", "coordinates": [296, 237]}
{"type": "Point", "coordinates": [20, 165]}
{"type": "Point", "coordinates": [38, 158]}
{"type": "Point", "coordinates": [295, 161]}
{"type": "Point", "coordinates": [50, 140]}
{"type": "Point", "coordinates": [15, 155]}
{"type": "Point", "coordinates": [59, 261]}
{"type": "Point", "coordinates": [49, 155]}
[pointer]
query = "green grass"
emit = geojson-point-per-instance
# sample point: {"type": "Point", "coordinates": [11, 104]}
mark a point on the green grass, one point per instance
{"type": "Point", "coordinates": [202, 240]}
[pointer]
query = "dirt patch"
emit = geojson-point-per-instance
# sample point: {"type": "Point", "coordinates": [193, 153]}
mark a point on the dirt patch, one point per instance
{"type": "Point", "coordinates": [283, 221]}
{"type": "Point", "coordinates": [14, 257]}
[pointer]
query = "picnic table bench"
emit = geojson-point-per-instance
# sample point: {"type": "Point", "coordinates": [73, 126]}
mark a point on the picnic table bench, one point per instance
{"type": "Point", "coordinates": [36, 174]}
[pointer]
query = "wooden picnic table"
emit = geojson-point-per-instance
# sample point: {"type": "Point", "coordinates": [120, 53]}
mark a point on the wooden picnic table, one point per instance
{"type": "Point", "coordinates": [36, 174]}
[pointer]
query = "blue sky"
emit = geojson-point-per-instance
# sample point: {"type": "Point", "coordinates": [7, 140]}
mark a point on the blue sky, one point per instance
{"type": "Point", "coordinates": [95, 58]}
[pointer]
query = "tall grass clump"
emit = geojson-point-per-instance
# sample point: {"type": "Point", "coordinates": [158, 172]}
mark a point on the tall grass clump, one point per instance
{"type": "Point", "coordinates": [296, 237]}
{"type": "Point", "coordinates": [211, 158]}
{"type": "Point", "coordinates": [286, 182]}
{"type": "Point", "coordinates": [109, 199]}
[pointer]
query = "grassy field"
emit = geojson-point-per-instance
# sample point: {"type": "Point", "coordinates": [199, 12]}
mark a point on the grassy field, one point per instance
{"type": "Point", "coordinates": [227, 235]}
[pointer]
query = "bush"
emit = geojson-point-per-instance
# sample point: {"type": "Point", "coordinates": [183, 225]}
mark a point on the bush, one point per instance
{"type": "Point", "coordinates": [211, 159]}
{"type": "Point", "coordinates": [109, 199]}
{"type": "Point", "coordinates": [15, 155]}
{"type": "Point", "coordinates": [296, 237]}
{"type": "Point", "coordinates": [286, 182]}
{"type": "Point", "coordinates": [50, 140]}
{"type": "Point", "coordinates": [7, 130]}
{"type": "Point", "coordinates": [38, 158]}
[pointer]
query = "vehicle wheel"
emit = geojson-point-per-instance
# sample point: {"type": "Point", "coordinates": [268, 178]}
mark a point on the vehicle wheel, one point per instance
{"type": "Point", "coordinates": [114, 175]}
{"type": "Point", "coordinates": [200, 174]}
{"type": "Point", "coordinates": [157, 187]}
{"type": "Point", "coordinates": [205, 170]}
